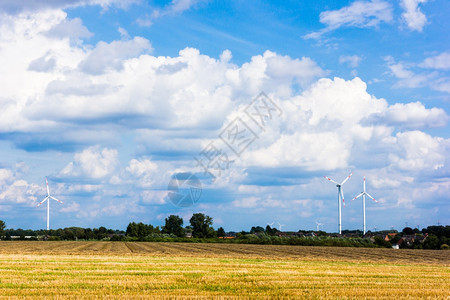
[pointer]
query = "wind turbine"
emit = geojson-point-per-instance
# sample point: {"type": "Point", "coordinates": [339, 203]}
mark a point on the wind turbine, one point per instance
{"type": "Point", "coordinates": [340, 196]}
{"type": "Point", "coordinates": [48, 204]}
{"type": "Point", "coordinates": [364, 194]}
{"type": "Point", "coordinates": [318, 225]}
{"type": "Point", "coordinates": [280, 225]}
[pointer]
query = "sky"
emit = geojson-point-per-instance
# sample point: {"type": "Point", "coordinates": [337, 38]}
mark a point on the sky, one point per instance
{"type": "Point", "coordinates": [257, 100]}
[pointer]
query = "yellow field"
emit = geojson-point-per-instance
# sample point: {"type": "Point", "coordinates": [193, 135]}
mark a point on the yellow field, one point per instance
{"type": "Point", "coordinates": [168, 270]}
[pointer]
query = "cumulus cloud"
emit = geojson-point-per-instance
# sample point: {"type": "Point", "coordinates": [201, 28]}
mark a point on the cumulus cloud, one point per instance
{"type": "Point", "coordinates": [321, 132]}
{"type": "Point", "coordinates": [358, 14]}
{"type": "Point", "coordinates": [411, 115]}
{"type": "Point", "coordinates": [73, 29]}
{"type": "Point", "coordinates": [419, 151]}
{"type": "Point", "coordinates": [93, 162]}
{"type": "Point", "coordinates": [413, 16]}
{"type": "Point", "coordinates": [143, 170]}
{"type": "Point", "coordinates": [45, 63]}
{"type": "Point", "coordinates": [63, 94]}
{"type": "Point", "coordinates": [111, 56]}
{"type": "Point", "coordinates": [14, 189]}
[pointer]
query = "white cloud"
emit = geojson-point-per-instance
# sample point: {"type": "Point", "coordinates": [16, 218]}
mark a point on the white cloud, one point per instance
{"type": "Point", "coordinates": [145, 170]}
{"type": "Point", "coordinates": [257, 202]}
{"type": "Point", "coordinates": [169, 107]}
{"type": "Point", "coordinates": [45, 63]}
{"type": "Point", "coordinates": [408, 78]}
{"type": "Point", "coordinates": [412, 16]}
{"type": "Point", "coordinates": [352, 60]}
{"type": "Point", "coordinates": [412, 115]}
{"type": "Point", "coordinates": [358, 14]}
{"type": "Point", "coordinates": [72, 207]}
{"type": "Point", "coordinates": [5, 176]}
{"type": "Point", "coordinates": [16, 7]}
{"type": "Point", "coordinates": [73, 29]}
{"type": "Point", "coordinates": [123, 86]}
{"type": "Point", "coordinates": [111, 56]}
{"type": "Point", "coordinates": [138, 168]}
{"type": "Point", "coordinates": [93, 162]}
{"type": "Point", "coordinates": [175, 7]}
{"type": "Point", "coordinates": [13, 189]}
{"type": "Point", "coordinates": [419, 151]}
{"type": "Point", "coordinates": [154, 197]}
{"type": "Point", "coordinates": [441, 62]}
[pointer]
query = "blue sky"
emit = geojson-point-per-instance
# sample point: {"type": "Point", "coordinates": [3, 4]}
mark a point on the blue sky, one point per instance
{"type": "Point", "coordinates": [108, 99]}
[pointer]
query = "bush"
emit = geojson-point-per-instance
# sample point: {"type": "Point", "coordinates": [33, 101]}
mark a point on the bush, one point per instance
{"type": "Point", "coordinates": [445, 247]}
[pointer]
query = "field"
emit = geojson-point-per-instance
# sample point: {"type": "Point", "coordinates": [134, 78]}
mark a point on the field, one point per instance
{"type": "Point", "coordinates": [170, 270]}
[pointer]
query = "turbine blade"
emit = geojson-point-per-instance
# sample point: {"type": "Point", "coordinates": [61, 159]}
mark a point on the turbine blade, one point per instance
{"type": "Point", "coordinates": [348, 177]}
{"type": "Point", "coordinates": [56, 199]}
{"type": "Point", "coordinates": [42, 201]}
{"type": "Point", "coordinates": [342, 196]}
{"type": "Point", "coordinates": [371, 197]}
{"type": "Point", "coordinates": [331, 180]}
{"type": "Point", "coordinates": [358, 196]}
{"type": "Point", "coordinates": [48, 190]}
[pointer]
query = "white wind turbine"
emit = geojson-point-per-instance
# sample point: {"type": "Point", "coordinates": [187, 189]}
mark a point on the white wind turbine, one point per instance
{"type": "Point", "coordinates": [48, 204]}
{"type": "Point", "coordinates": [280, 225]}
{"type": "Point", "coordinates": [364, 194]}
{"type": "Point", "coordinates": [318, 225]}
{"type": "Point", "coordinates": [340, 196]}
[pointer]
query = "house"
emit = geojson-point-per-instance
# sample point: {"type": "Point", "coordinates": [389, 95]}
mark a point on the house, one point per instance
{"type": "Point", "coordinates": [390, 235]}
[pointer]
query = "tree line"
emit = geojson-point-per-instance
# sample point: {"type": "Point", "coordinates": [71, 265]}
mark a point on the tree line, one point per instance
{"type": "Point", "coordinates": [200, 230]}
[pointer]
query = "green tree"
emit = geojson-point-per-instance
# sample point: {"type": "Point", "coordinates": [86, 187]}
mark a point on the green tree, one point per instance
{"type": "Point", "coordinates": [408, 230]}
{"type": "Point", "coordinates": [2, 228]}
{"type": "Point", "coordinates": [174, 225]}
{"type": "Point", "coordinates": [221, 232]}
{"type": "Point", "coordinates": [132, 230]}
{"type": "Point", "coordinates": [256, 229]}
{"type": "Point", "coordinates": [381, 242]}
{"type": "Point", "coordinates": [201, 226]}
{"type": "Point", "coordinates": [431, 242]}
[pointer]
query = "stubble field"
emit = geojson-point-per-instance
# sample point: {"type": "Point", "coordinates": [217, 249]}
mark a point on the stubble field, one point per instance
{"type": "Point", "coordinates": [174, 270]}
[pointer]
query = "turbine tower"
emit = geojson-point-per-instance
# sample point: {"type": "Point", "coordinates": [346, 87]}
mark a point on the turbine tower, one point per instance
{"type": "Point", "coordinates": [48, 204]}
{"type": "Point", "coordinates": [364, 194]}
{"type": "Point", "coordinates": [340, 196]}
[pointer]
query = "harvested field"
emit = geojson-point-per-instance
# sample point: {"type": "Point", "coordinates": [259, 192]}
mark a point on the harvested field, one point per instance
{"type": "Point", "coordinates": [182, 270]}
{"type": "Point", "coordinates": [230, 250]}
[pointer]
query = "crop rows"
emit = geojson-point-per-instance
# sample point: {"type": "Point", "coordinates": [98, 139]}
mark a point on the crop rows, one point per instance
{"type": "Point", "coordinates": [231, 250]}
{"type": "Point", "coordinates": [158, 270]}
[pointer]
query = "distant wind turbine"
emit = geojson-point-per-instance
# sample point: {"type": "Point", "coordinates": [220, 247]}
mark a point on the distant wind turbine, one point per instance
{"type": "Point", "coordinates": [318, 225]}
{"type": "Point", "coordinates": [48, 204]}
{"type": "Point", "coordinates": [364, 194]}
{"type": "Point", "coordinates": [340, 196]}
{"type": "Point", "coordinates": [280, 225]}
